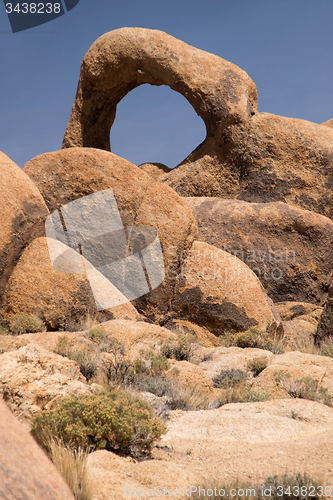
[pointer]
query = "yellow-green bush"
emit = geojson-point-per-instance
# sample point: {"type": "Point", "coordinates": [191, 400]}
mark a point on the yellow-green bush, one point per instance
{"type": "Point", "coordinates": [116, 421]}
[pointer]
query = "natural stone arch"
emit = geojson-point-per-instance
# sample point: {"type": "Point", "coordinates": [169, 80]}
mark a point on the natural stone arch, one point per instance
{"type": "Point", "coordinates": [220, 92]}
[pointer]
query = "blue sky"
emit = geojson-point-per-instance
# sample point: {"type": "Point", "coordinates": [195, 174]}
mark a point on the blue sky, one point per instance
{"type": "Point", "coordinates": [286, 46]}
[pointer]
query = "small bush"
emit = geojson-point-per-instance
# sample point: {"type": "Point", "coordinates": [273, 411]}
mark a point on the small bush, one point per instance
{"type": "Point", "coordinates": [257, 365]}
{"type": "Point", "coordinates": [72, 465]}
{"type": "Point", "coordinates": [240, 393]}
{"type": "Point", "coordinates": [85, 357]}
{"type": "Point", "coordinates": [4, 330]}
{"type": "Point", "coordinates": [116, 422]}
{"type": "Point", "coordinates": [326, 348]}
{"type": "Point", "coordinates": [181, 349]}
{"type": "Point", "coordinates": [187, 398]}
{"type": "Point", "coordinates": [305, 388]}
{"type": "Point", "coordinates": [23, 323]}
{"type": "Point", "coordinates": [229, 378]}
{"type": "Point", "coordinates": [251, 338]}
{"type": "Point", "coordinates": [151, 363]}
{"type": "Point", "coordinates": [96, 335]}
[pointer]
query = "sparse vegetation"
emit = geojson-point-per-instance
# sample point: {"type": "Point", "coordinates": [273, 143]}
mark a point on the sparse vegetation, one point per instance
{"type": "Point", "coordinates": [85, 357]}
{"type": "Point", "coordinates": [304, 388]}
{"type": "Point", "coordinates": [251, 338]}
{"type": "Point", "coordinates": [116, 422]}
{"type": "Point", "coordinates": [229, 378]}
{"type": "Point", "coordinates": [298, 486]}
{"type": "Point", "coordinates": [72, 465]}
{"type": "Point", "coordinates": [257, 365]}
{"type": "Point", "coordinates": [23, 323]}
{"type": "Point", "coordinates": [181, 349]}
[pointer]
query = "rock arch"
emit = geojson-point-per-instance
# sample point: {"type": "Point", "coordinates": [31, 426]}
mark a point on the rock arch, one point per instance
{"type": "Point", "coordinates": [121, 60]}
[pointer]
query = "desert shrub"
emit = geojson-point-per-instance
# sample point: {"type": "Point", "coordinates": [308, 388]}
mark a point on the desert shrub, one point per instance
{"type": "Point", "coordinates": [85, 357]}
{"type": "Point", "coordinates": [160, 386]}
{"type": "Point", "coordinates": [187, 398]}
{"type": "Point", "coordinates": [96, 335]}
{"type": "Point", "coordinates": [251, 338]}
{"type": "Point", "coordinates": [240, 393]}
{"type": "Point", "coordinates": [151, 363]}
{"type": "Point", "coordinates": [257, 365]}
{"type": "Point", "coordinates": [116, 422]}
{"type": "Point", "coordinates": [115, 366]}
{"type": "Point", "coordinates": [229, 378]}
{"type": "Point", "coordinates": [4, 330]}
{"type": "Point", "coordinates": [23, 323]}
{"type": "Point", "coordinates": [280, 487]}
{"type": "Point", "coordinates": [304, 388]}
{"type": "Point", "coordinates": [72, 465]}
{"type": "Point", "coordinates": [181, 349]}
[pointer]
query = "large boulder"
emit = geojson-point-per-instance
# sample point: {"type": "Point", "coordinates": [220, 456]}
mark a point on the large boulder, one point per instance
{"type": "Point", "coordinates": [290, 249]}
{"type": "Point", "coordinates": [265, 158]}
{"type": "Point", "coordinates": [64, 301]}
{"type": "Point", "coordinates": [25, 471]}
{"type": "Point", "coordinates": [70, 174]}
{"type": "Point", "coordinates": [33, 379]}
{"type": "Point", "coordinates": [217, 290]}
{"type": "Point", "coordinates": [220, 92]}
{"type": "Point", "coordinates": [22, 215]}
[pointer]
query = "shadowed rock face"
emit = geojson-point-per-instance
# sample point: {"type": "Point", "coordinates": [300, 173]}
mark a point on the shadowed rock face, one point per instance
{"type": "Point", "coordinates": [25, 471]}
{"type": "Point", "coordinates": [290, 250]}
{"type": "Point", "coordinates": [220, 92]}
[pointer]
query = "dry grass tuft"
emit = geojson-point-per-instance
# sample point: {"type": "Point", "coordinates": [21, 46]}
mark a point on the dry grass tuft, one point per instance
{"type": "Point", "coordinates": [72, 465]}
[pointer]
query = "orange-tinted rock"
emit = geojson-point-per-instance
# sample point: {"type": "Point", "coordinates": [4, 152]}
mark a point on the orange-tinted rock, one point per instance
{"type": "Point", "coordinates": [22, 215]}
{"type": "Point", "coordinates": [220, 92]}
{"type": "Point", "coordinates": [217, 290]}
{"type": "Point", "coordinates": [288, 248]}
{"type": "Point", "coordinates": [69, 174]}
{"type": "Point", "coordinates": [25, 471]}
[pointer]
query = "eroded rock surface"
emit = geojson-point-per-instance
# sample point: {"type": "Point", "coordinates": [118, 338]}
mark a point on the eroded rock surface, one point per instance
{"type": "Point", "coordinates": [69, 174]}
{"type": "Point", "coordinates": [217, 290]}
{"type": "Point", "coordinates": [289, 249]}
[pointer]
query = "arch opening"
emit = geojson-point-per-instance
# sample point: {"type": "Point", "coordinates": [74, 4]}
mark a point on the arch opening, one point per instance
{"type": "Point", "coordinates": [155, 124]}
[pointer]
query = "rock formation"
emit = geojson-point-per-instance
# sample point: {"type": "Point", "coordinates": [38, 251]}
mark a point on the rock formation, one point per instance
{"type": "Point", "coordinates": [217, 290]}
{"type": "Point", "coordinates": [67, 175]}
{"type": "Point", "coordinates": [290, 250]}
{"type": "Point", "coordinates": [22, 215]}
{"type": "Point", "coordinates": [25, 470]}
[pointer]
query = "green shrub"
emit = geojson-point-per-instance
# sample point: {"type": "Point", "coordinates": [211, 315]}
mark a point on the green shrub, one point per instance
{"type": "Point", "coordinates": [304, 388]}
{"type": "Point", "coordinates": [116, 422]}
{"type": "Point", "coordinates": [181, 349]}
{"type": "Point", "coordinates": [257, 365]}
{"type": "Point", "coordinates": [229, 378]}
{"type": "Point", "coordinates": [23, 323]}
{"type": "Point", "coordinates": [326, 348]}
{"type": "Point", "coordinates": [4, 330]}
{"type": "Point", "coordinates": [151, 363]}
{"type": "Point", "coordinates": [251, 338]}
{"type": "Point", "coordinates": [85, 357]}
{"type": "Point", "coordinates": [240, 393]}
{"type": "Point", "coordinates": [96, 335]}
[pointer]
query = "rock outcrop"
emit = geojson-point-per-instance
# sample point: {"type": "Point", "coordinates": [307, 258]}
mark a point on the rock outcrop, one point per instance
{"type": "Point", "coordinates": [117, 62]}
{"type": "Point", "coordinates": [267, 158]}
{"type": "Point", "coordinates": [155, 170]}
{"type": "Point", "coordinates": [25, 470]}
{"type": "Point", "coordinates": [64, 301]}
{"type": "Point", "coordinates": [69, 174]}
{"type": "Point", "coordinates": [290, 250]}
{"type": "Point", "coordinates": [217, 290]}
{"type": "Point", "coordinates": [33, 379]}
{"type": "Point", "coordinates": [22, 215]}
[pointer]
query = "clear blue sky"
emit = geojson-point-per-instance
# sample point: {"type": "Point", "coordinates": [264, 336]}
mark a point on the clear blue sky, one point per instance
{"type": "Point", "coordinates": [286, 46]}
